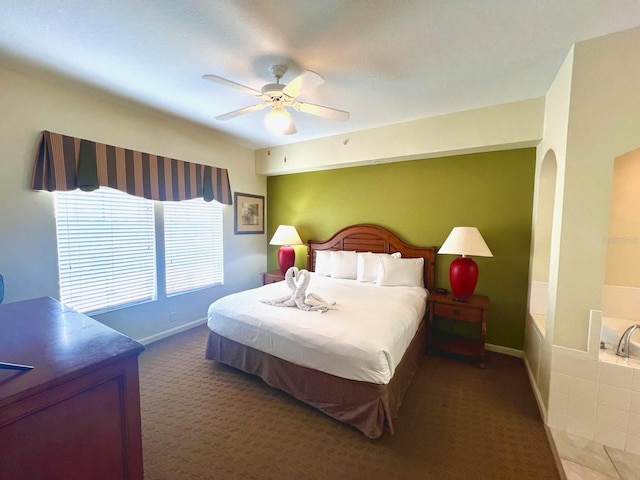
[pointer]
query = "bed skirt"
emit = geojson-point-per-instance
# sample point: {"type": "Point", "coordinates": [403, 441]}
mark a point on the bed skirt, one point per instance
{"type": "Point", "coordinates": [366, 406]}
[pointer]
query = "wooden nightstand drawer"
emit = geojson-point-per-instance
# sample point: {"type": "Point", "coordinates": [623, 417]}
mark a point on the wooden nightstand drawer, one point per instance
{"type": "Point", "coordinates": [272, 277]}
{"type": "Point", "coordinates": [467, 314]}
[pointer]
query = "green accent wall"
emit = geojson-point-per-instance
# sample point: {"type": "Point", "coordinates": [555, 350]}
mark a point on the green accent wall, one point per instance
{"type": "Point", "coordinates": [421, 201]}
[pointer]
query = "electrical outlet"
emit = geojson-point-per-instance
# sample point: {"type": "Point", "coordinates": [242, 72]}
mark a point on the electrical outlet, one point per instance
{"type": "Point", "coordinates": [172, 317]}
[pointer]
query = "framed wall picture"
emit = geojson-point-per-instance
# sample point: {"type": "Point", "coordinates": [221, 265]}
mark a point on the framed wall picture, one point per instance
{"type": "Point", "coordinates": [249, 213]}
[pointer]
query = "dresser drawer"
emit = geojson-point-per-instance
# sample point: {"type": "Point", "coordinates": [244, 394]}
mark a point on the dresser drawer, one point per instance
{"type": "Point", "coordinates": [456, 312]}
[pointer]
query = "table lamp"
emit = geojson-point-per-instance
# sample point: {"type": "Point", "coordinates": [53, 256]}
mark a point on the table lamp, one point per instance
{"type": "Point", "coordinates": [463, 272]}
{"type": "Point", "coordinates": [285, 236]}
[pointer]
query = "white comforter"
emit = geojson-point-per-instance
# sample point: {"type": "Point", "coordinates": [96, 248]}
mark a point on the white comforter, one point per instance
{"type": "Point", "coordinates": [363, 339]}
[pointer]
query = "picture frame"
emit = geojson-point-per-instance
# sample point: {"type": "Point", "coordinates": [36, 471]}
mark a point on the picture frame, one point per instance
{"type": "Point", "coordinates": [248, 213]}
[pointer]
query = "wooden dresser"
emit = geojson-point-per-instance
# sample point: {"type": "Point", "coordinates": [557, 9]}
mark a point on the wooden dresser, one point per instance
{"type": "Point", "coordinates": [76, 415]}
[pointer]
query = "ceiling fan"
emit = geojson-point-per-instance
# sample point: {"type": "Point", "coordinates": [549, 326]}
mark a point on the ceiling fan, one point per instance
{"type": "Point", "coordinates": [278, 96]}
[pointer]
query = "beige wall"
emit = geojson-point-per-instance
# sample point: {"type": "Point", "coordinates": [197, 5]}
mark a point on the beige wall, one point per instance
{"type": "Point", "coordinates": [498, 127]}
{"type": "Point", "coordinates": [28, 258]}
{"type": "Point", "coordinates": [553, 144]}
{"type": "Point", "coordinates": [623, 239]}
{"type": "Point", "coordinates": [592, 111]}
{"type": "Point", "coordinates": [603, 124]}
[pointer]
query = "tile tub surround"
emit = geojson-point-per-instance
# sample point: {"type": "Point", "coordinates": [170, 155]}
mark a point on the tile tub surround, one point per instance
{"type": "Point", "coordinates": [622, 304]}
{"type": "Point", "coordinates": [612, 330]}
{"type": "Point", "coordinates": [538, 304]}
{"type": "Point", "coordinates": [596, 398]}
{"type": "Point", "coordinates": [538, 297]}
{"type": "Point", "coordinates": [621, 309]}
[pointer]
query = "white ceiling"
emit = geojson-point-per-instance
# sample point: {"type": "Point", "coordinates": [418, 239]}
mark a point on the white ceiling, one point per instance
{"type": "Point", "coordinates": [384, 61]}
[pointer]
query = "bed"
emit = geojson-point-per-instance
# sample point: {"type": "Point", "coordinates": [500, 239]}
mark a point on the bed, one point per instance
{"type": "Point", "coordinates": [335, 375]}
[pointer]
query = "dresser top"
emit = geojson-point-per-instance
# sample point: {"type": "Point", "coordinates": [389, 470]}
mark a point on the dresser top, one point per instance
{"type": "Point", "coordinates": [57, 341]}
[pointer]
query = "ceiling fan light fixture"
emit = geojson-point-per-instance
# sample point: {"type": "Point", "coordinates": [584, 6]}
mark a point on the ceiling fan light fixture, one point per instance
{"type": "Point", "coordinates": [277, 121]}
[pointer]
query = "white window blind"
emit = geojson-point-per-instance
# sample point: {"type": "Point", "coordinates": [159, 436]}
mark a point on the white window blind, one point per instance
{"type": "Point", "coordinates": [106, 249]}
{"type": "Point", "coordinates": [193, 245]}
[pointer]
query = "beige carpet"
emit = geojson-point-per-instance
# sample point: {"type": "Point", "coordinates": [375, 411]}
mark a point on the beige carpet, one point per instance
{"type": "Point", "coordinates": [202, 420]}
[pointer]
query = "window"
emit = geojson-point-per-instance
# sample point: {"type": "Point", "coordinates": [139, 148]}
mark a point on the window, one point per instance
{"type": "Point", "coordinates": [193, 245]}
{"type": "Point", "coordinates": [106, 249]}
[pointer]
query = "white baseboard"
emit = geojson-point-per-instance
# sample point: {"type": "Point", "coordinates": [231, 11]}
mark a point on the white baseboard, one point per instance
{"type": "Point", "coordinates": [520, 354]}
{"type": "Point", "coordinates": [172, 331]}
{"type": "Point", "coordinates": [505, 350]}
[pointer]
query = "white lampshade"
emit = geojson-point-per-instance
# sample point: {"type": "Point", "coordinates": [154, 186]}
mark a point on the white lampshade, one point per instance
{"type": "Point", "coordinates": [286, 235]}
{"type": "Point", "coordinates": [277, 121]}
{"type": "Point", "coordinates": [465, 241]}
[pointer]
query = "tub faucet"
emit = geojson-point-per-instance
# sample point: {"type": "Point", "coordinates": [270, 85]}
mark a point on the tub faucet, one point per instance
{"type": "Point", "coordinates": [623, 344]}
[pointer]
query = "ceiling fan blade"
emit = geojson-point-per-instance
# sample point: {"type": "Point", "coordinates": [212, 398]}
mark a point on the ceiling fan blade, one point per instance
{"type": "Point", "coordinates": [240, 111]}
{"type": "Point", "coordinates": [319, 110]}
{"type": "Point", "coordinates": [229, 83]}
{"type": "Point", "coordinates": [305, 81]}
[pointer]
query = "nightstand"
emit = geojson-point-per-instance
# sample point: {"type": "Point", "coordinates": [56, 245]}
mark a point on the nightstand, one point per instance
{"type": "Point", "coordinates": [272, 276]}
{"type": "Point", "coordinates": [473, 310]}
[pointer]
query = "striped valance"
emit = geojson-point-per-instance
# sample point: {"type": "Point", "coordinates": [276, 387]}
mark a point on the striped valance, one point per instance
{"type": "Point", "coordinates": [66, 163]}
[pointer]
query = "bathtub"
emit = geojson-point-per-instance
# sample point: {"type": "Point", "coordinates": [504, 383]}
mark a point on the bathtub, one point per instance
{"type": "Point", "coordinates": [612, 330]}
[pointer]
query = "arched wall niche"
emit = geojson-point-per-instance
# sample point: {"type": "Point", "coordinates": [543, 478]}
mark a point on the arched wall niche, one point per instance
{"type": "Point", "coordinates": [542, 230]}
{"type": "Point", "coordinates": [537, 348]}
{"type": "Point", "coordinates": [544, 218]}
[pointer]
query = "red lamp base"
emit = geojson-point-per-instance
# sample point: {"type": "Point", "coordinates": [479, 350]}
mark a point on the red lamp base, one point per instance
{"type": "Point", "coordinates": [463, 276]}
{"type": "Point", "coordinates": [286, 258]}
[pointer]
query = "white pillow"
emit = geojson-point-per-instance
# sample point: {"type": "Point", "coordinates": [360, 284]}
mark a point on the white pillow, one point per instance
{"type": "Point", "coordinates": [344, 264]}
{"type": "Point", "coordinates": [323, 263]}
{"type": "Point", "coordinates": [368, 264]}
{"type": "Point", "coordinates": [408, 272]}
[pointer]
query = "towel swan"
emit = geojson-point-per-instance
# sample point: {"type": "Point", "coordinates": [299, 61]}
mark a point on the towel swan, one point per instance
{"type": "Point", "coordinates": [298, 281]}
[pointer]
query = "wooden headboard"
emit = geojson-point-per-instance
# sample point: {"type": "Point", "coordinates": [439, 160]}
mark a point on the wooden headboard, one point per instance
{"type": "Point", "coordinates": [372, 238]}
